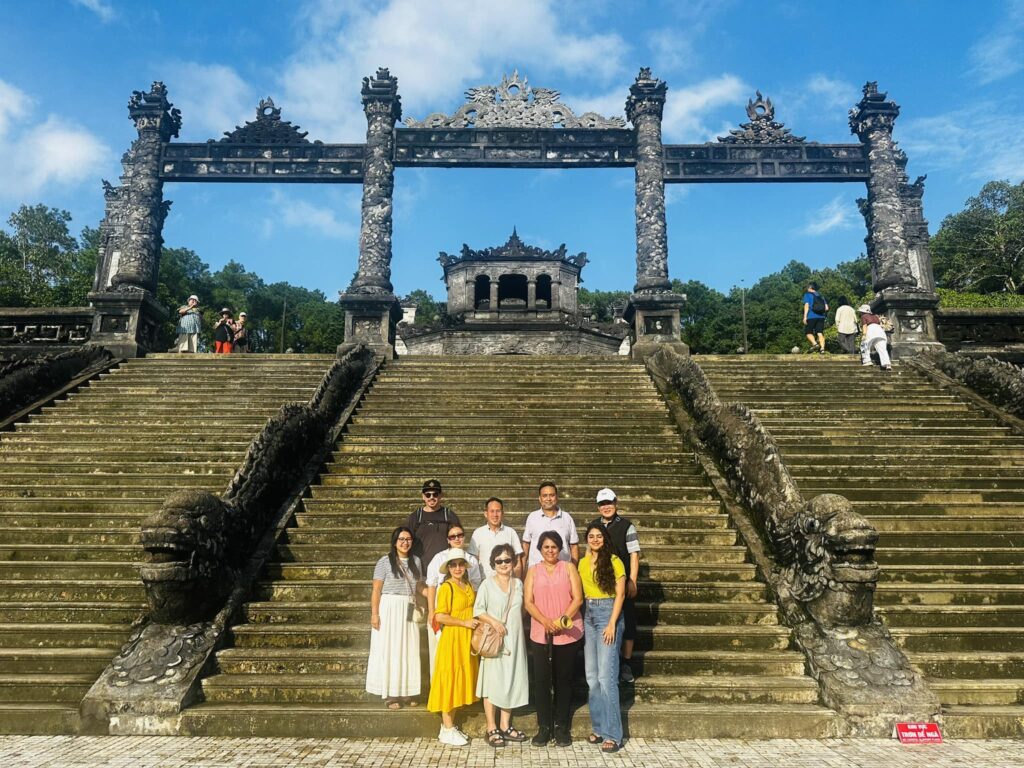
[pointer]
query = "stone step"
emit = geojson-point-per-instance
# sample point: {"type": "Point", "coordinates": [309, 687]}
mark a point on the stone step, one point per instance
{"type": "Point", "coordinates": [953, 574]}
{"type": "Point", "coordinates": [126, 516]}
{"type": "Point", "coordinates": [38, 718]}
{"type": "Point", "coordinates": [983, 722]}
{"type": "Point", "coordinates": [398, 508]}
{"type": "Point", "coordinates": [319, 591]}
{"type": "Point", "coordinates": [65, 553]}
{"type": "Point", "coordinates": [50, 661]}
{"type": "Point", "coordinates": [102, 482]}
{"type": "Point", "coordinates": [890, 593]}
{"type": "Point", "coordinates": [44, 688]}
{"type": "Point", "coordinates": [309, 553]}
{"type": "Point", "coordinates": [72, 570]}
{"type": "Point", "coordinates": [357, 636]}
{"type": "Point", "coordinates": [951, 539]}
{"type": "Point", "coordinates": [673, 489]}
{"type": "Point", "coordinates": [327, 519]}
{"type": "Point", "coordinates": [64, 635]}
{"type": "Point", "coordinates": [969, 664]}
{"type": "Point", "coordinates": [978, 692]}
{"type": "Point", "coordinates": [379, 536]}
{"type": "Point", "coordinates": [504, 482]}
{"type": "Point", "coordinates": [937, 493]}
{"type": "Point", "coordinates": [662, 613]}
{"type": "Point", "coordinates": [1011, 616]}
{"type": "Point", "coordinates": [929, 523]}
{"type": "Point", "coordinates": [959, 639]}
{"type": "Point", "coordinates": [977, 556]}
{"type": "Point", "coordinates": [676, 721]}
{"type": "Point", "coordinates": [41, 612]}
{"type": "Point", "coordinates": [78, 590]}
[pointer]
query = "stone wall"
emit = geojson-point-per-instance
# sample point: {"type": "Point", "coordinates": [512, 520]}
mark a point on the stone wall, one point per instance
{"type": "Point", "coordinates": [557, 340]}
{"type": "Point", "coordinates": [983, 331]}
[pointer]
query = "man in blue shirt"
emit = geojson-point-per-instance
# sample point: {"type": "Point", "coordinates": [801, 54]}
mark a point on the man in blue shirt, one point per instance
{"type": "Point", "coordinates": [815, 309]}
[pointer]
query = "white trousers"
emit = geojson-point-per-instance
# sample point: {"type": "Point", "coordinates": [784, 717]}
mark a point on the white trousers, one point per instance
{"type": "Point", "coordinates": [187, 342]}
{"type": "Point", "coordinates": [875, 339]}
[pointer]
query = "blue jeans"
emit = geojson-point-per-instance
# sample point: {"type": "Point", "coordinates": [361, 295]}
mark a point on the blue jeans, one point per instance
{"type": "Point", "coordinates": [603, 669]}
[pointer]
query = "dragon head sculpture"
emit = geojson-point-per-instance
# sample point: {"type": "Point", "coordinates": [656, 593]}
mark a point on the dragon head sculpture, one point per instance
{"type": "Point", "coordinates": [186, 573]}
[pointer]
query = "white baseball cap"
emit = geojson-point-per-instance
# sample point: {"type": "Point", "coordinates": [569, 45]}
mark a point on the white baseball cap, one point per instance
{"type": "Point", "coordinates": [606, 494]}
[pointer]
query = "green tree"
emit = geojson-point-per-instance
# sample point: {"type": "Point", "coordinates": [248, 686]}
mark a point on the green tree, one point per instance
{"type": "Point", "coordinates": [428, 309]}
{"type": "Point", "coordinates": [981, 248]}
{"type": "Point", "coordinates": [601, 302]}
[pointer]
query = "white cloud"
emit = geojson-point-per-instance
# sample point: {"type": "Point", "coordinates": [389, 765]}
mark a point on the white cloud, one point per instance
{"type": "Point", "coordinates": [685, 108]}
{"type": "Point", "coordinates": [436, 50]}
{"type": "Point", "coordinates": [675, 192]}
{"type": "Point", "coordinates": [40, 155]}
{"type": "Point", "coordinates": [982, 142]}
{"type": "Point", "coordinates": [829, 93]}
{"type": "Point", "coordinates": [213, 98]}
{"type": "Point", "coordinates": [105, 11]}
{"type": "Point", "coordinates": [301, 214]}
{"type": "Point", "coordinates": [835, 214]}
{"type": "Point", "coordinates": [998, 54]}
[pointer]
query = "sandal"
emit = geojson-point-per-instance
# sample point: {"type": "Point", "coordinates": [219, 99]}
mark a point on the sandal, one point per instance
{"type": "Point", "coordinates": [610, 746]}
{"type": "Point", "coordinates": [393, 704]}
{"type": "Point", "coordinates": [513, 734]}
{"type": "Point", "coordinates": [410, 703]}
{"type": "Point", "coordinates": [594, 739]}
{"type": "Point", "coordinates": [495, 738]}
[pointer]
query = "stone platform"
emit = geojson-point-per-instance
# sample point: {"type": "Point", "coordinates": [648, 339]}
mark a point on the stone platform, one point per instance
{"type": "Point", "coordinates": [172, 752]}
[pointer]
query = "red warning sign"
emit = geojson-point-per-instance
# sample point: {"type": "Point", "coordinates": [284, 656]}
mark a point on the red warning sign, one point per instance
{"type": "Point", "coordinates": [919, 733]}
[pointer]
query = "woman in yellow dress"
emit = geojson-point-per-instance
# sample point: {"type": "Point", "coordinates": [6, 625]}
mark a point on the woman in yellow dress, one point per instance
{"type": "Point", "coordinates": [454, 681]}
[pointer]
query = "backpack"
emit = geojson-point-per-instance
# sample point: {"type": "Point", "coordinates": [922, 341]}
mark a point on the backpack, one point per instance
{"type": "Point", "coordinates": [818, 305]}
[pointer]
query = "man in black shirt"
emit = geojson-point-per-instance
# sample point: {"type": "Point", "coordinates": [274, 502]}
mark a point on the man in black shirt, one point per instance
{"type": "Point", "coordinates": [430, 523]}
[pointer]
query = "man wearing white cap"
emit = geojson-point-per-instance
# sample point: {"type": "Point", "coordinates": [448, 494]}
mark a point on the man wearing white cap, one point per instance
{"type": "Point", "coordinates": [626, 544]}
{"type": "Point", "coordinates": [873, 338]}
{"type": "Point", "coordinates": [190, 321]}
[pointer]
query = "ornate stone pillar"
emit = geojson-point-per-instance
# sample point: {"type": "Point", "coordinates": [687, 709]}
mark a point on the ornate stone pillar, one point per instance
{"type": "Point", "coordinates": [127, 315]}
{"type": "Point", "coordinates": [556, 294]}
{"type": "Point", "coordinates": [531, 294]}
{"type": "Point", "coordinates": [653, 308]}
{"type": "Point", "coordinates": [371, 309]}
{"type": "Point", "coordinates": [644, 108]}
{"type": "Point", "coordinates": [905, 294]}
{"type": "Point", "coordinates": [493, 306]}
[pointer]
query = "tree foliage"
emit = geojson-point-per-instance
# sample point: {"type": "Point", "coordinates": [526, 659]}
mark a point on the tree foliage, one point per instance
{"type": "Point", "coordinates": [981, 248]}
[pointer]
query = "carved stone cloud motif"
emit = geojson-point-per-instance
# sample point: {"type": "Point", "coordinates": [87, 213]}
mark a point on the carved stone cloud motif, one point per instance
{"type": "Point", "coordinates": [267, 128]}
{"type": "Point", "coordinates": [514, 104]}
{"type": "Point", "coordinates": [762, 128]}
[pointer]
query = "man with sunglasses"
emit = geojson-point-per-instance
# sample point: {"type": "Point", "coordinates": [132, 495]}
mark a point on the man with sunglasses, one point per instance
{"type": "Point", "coordinates": [456, 540]}
{"type": "Point", "coordinates": [431, 522]}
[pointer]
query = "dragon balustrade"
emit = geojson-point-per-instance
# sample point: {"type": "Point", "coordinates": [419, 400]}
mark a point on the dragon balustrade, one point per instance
{"type": "Point", "coordinates": [818, 557]}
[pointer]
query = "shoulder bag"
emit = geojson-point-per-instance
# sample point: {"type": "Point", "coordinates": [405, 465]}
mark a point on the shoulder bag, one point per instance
{"type": "Point", "coordinates": [486, 642]}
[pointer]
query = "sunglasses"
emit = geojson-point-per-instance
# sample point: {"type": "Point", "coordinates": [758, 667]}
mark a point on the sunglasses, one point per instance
{"type": "Point", "coordinates": [503, 561]}
{"type": "Point", "coordinates": [405, 539]}
{"type": "Point", "coordinates": [456, 536]}
{"type": "Point", "coordinates": [431, 494]}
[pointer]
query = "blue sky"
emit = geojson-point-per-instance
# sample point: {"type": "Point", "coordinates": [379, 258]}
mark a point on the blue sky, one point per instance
{"type": "Point", "coordinates": [67, 68]}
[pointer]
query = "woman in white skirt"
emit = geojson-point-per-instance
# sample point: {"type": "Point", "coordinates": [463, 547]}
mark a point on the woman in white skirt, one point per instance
{"type": "Point", "coordinates": [393, 669]}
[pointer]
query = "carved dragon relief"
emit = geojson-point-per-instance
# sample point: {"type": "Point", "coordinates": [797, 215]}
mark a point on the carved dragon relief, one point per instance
{"type": "Point", "coordinates": [514, 103]}
{"type": "Point", "coordinates": [267, 128]}
{"type": "Point", "coordinates": [762, 128]}
{"type": "Point", "coordinates": [513, 250]}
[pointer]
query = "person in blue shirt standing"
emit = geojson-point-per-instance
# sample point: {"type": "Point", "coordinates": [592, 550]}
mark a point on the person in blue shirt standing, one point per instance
{"type": "Point", "coordinates": [815, 309]}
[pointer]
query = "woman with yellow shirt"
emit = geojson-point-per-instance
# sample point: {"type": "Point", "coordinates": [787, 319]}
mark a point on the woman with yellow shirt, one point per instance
{"type": "Point", "coordinates": [455, 667]}
{"type": "Point", "coordinates": [604, 588]}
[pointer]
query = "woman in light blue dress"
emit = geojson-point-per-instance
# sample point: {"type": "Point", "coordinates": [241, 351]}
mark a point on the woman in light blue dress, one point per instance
{"type": "Point", "coordinates": [502, 681]}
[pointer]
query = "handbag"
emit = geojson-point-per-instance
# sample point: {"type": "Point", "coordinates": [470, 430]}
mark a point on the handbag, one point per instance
{"type": "Point", "coordinates": [416, 614]}
{"type": "Point", "coordinates": [486, 642]}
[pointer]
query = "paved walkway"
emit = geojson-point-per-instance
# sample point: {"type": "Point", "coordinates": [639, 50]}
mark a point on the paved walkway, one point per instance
{"type": "Point", "coordinates": [171, 752]}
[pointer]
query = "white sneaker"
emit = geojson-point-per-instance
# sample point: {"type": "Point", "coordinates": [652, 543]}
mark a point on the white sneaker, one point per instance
{"type": "Point", "coordinates": [452, 736]}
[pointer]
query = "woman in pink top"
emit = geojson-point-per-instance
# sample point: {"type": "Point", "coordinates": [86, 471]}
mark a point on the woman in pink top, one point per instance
{"type": "Point", "coordinates": [553, 594]}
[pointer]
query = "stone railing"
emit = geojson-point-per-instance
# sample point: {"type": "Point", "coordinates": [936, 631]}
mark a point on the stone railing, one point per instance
{"type": "Point", "coordinates": [982, 331]}
{"type": "Point", "coordinates": [28, 380]}
{"type": "Point", "coordinates": [204, 553]}
{"type": "Point", "coordinates": [817, 556]}
{"type": "Point", "coordinates": [45, 325]}
{"type": "Point", "coordinates": [1002, 384]}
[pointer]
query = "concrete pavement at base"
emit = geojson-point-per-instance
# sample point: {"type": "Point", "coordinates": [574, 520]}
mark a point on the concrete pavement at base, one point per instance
{"type": "Point", "coordinates": [210, 752]}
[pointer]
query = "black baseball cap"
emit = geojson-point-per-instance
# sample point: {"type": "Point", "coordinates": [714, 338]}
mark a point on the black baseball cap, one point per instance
{"type": "Point", "coordinates": [432, 485]}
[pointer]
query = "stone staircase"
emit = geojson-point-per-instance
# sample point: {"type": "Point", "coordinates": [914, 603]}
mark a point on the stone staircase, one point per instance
{"type": "Point", "coordinates": [713, 659]}
{"type": "Point", "coordinates": [75, 483]}
{"type": "Point", "coordinates": [944, 484]}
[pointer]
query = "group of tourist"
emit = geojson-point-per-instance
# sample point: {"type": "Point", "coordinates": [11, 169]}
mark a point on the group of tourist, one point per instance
{"type": "Point", "coordinates": [492, 584]}
{"type": "Point", "coordinates": [874, 338]}
{"type": "Point", "coordinates": [229, 335]}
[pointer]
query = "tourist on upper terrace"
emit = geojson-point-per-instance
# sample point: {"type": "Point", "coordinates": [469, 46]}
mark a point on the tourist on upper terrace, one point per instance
{"type": "Point", "coordinates": [603, 576]}
{"type": "Point", "coordinates": [874, 338]}
{"type": "Point", "coordinates": [435, 575]}
{"type": "Point", "coordinates": [393, 668]}
{"type": "Point", "coordinates": [190, 322]}
{"type": "Point", "coordinates": [241, 342]}
{"type": "Point", "coordinates": [454, 685]}
{"type": "Point", "coordinates": [815, 309]}
{"type": "Point", "coordinates": [550, 517]}
{"type": "Point", "coordinates": [495, 532]}
{"type": "Point", "coordinates": [625, 544]}
{"type": "Point", "coordinates": [553, 595]}
{"type": "Point", "coordinates": [224, 333]}
{"type": "Point", "coordinates": [503, 681]}
{"type": "Point", "coordinates": [846, 326]}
